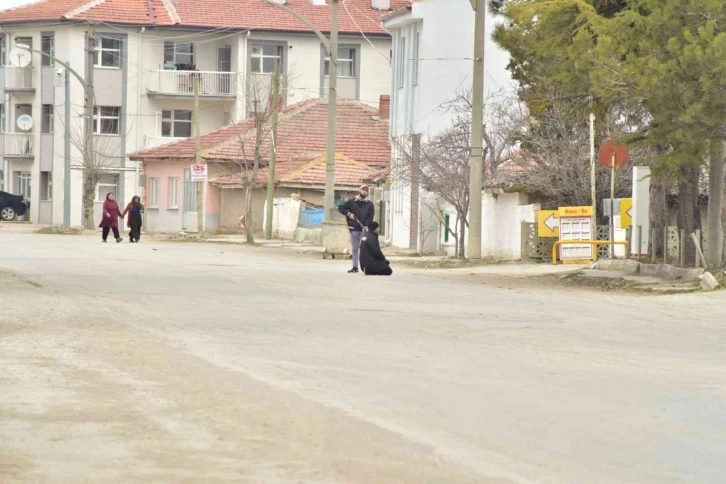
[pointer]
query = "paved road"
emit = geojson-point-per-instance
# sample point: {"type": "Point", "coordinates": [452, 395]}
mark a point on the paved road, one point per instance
{"type": "Point", "coordinates": [212, 363]}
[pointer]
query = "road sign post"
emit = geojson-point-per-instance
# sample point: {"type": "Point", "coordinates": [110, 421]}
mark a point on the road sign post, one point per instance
{"type": "Point", "coordinates": [613, 156]}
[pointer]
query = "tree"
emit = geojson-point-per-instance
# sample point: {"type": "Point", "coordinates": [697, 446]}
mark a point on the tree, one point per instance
{"type": "Point", "coordinates": [444, 165]}
{"type": "Point", "coordinates": [663, 57]}
{"type": "Point", "coordinates": [443, 169]}
{"type": "Point", "coordinates": [105, 159]}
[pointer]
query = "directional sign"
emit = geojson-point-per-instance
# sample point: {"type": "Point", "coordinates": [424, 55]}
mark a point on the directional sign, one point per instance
{"type": "Point", "coordinates": [626, 213]}
{"type": "Point", "coordinates": [548, 225]}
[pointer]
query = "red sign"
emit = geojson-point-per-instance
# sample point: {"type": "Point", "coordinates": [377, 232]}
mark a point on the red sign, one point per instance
{"type": "Point", "coordinates": [199, 173]}
{"type": "Point", "coordinates": [610, 153]}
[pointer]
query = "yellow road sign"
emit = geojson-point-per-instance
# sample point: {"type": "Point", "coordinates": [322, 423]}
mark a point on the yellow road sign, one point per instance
{"type": "Point", "coordinates": [548, 224]}
{"type": "Point", "coordinates": [626, 212]}
{"type": "Point", "coordinates": [575, 212]}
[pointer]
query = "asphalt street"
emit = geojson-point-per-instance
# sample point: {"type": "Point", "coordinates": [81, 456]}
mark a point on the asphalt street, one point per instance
{"type": "Point", "coordinates": [177, 362]}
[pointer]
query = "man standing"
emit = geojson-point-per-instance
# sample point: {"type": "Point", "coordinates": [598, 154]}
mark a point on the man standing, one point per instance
{"type": "Point", "coordinates": [372, 260]}
{"type": "Point", "coordinates": [359, 211]}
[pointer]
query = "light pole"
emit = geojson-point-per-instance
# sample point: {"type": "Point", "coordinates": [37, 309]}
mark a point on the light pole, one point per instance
{"type": "Point", "coordinates": [89, 96]}
{"type": "Point", "coordinates": [331, 46]}
{"type": "Point", "coordinates": [477, 131]}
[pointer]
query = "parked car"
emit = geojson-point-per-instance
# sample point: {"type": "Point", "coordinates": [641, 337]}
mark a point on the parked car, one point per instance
{"type": "Point", "coordinates": [12, 206]}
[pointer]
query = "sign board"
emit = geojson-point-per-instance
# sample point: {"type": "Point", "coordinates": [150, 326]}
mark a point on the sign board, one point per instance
{"type": "Point", "coordinates": [626, 213]}
{"type": "Point", "coordinates": [548, 223]}
{"type": "Point", "coordinates": [199, 173]}
{"type": "Point", "coordinates": [575, 212]}
{"type": "Point", "coordinates": [576, 223]}
{"type": "Point", "coordinates": [25, 122]}
{"type": "Point", "coordinates": [613, 155]}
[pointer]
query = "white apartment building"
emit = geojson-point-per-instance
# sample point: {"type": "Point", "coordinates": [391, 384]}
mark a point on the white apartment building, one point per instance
{"type": "Point", "coordinates": [432, 61]}
{"type": "Point", "coordinates": [149, 54]}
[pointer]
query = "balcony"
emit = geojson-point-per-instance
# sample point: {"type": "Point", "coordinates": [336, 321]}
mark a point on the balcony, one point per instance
{"type": "Point", "coordinates": [19, 79]}
{"type": "Point", "coordinates": [220, 85]}
{"type": "Point", "coordinates": [19, 145]}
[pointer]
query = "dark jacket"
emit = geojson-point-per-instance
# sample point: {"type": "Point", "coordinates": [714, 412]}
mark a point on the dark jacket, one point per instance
{"type": "Point", "coordinates": [364, 211]}
{"type": "Point", "coordinates": [371, 257]}
{"type": "Point", "coordinates": [135, 212]}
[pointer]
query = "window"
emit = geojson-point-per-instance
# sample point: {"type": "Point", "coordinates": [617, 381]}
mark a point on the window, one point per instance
{"type": "Point", "coordinates": [179, 56]}
{"type": "Point", "coordinates": [108, 53]}
{"type": "Point", "coordinates": [27, 41]}
{"type": "Point", "coordinates": [47, 120]}
{"type": "Point", "coordinates": [106, 119]}
{"type": "Point", "coordinates": [176, 124]}
{"type": "Point", "coordinates": [3, 50]}
{"type": "Point", "coordinates": [47, 45]}
{"type": "Point", "coordinates": [346, 63]}
{"type": "Point", "coordinates": [46, 186]}
{"type": "Point", "coordinates": [24, 181]}
{"type": "Point", "coordinates": [173, 193]}
{"type": "Point", "coordinates": [153, 193]}
{"type": "Point", "coordinates": [2, 118]}
{"type": "Point", "coordinates": [401, 64]}
{"type": "Point", "coordinates": [447, 222]}
{"type": "Point", "coordinates": [106, 184]}
{"type": "Point", "coordinates": [416, 41]}
{"type": "Point", "coordinates": [265, 58]}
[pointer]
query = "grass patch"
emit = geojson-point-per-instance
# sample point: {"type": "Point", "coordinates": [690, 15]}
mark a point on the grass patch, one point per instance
{"type": "Point", "coordinates": [60, 231]}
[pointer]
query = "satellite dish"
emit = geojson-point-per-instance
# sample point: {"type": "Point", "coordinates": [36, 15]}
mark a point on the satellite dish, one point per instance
{"type": "Point", "coordinates": [20, 57]}
{"type": "Point", "coordinates": [25, 122]}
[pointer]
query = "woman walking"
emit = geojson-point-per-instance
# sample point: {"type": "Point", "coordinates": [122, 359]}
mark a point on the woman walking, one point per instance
{"type": "Point", "coordinates": [111, 214]}
{"type": "Point", "coordinates": [135, 210]}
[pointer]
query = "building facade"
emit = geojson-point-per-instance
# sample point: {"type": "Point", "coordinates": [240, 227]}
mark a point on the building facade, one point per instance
{"type": "Point", "coordinates": [432, 63]}
{"type": "Point", "coordinates": [149, 55]}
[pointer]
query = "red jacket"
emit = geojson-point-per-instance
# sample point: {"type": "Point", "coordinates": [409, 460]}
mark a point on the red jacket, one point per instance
{"type": "Point", "coordinates": [111, 214]}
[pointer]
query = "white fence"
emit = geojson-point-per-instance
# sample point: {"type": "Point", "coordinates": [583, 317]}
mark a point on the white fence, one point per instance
{"type": "Point", "coordinates": [19, 144]}
{"type": "Point", "coordinates": [19, 77]}
{"type": "Point", "coordinates": [222, 84]}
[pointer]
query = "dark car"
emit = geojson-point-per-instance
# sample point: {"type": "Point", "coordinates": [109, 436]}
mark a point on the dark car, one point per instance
{"type": "Point", "coordinates": [12, 206]}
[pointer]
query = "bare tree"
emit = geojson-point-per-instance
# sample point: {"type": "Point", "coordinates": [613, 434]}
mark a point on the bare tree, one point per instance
{"type": "Point", "coordinates": [443, 169]}
{"type": "Point", "coordinates": [105, 158]}
{"type": "Point", "coordinates": [554, 160]}
{"type": "Point", "coordinates": [444, 164]}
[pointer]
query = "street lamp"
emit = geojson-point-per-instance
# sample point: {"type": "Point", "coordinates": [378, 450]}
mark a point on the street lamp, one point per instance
{"type": "Point", "coordinates": [331, 46]}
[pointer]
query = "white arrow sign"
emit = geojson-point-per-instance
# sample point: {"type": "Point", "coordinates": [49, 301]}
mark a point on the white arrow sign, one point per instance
{"type": "Point", "coordinates": [628, 212]}
{"type": "Point", "coordinates": [552, 223]}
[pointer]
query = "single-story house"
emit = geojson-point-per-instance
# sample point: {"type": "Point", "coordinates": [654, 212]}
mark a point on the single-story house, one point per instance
{"type": "Point", "coordinates": [362, 148]}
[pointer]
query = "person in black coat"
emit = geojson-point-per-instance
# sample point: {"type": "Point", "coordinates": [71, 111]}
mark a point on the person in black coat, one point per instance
{"type": "Point", "coordinates": [372, 260]}
{"type": "Point", "coordinates": [359, 212]}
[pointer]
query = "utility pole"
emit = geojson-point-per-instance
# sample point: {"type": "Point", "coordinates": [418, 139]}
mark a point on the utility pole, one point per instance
{"type": "Point", "coordinates": [477, 132]}
{"type": "Point", "coordinates": [332, 48]}
{"type": "Point", "coordinates": [332, 111]}
{"type": "Point", "coordinates": [273, 154]}
{"type": "Point", "coordinates": [88, 152]}
{"type": "Point", "coordinates": [198, 158]}
{"type": "Point", "coordinates": [67, 132]}
{"type": "Point", "coordinates": [593, 171]}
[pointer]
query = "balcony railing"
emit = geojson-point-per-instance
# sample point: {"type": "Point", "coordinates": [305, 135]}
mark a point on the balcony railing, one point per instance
{"type": "Point", "coordinates": [19, 78]}
{"type": "Point", "coordinates": [211, 84]}
{"type": "Point", "coordinates": [19, 144]}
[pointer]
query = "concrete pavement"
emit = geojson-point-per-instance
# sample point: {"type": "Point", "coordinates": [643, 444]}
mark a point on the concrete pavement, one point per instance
{"type": "Point", "coordinates": [186, 363]}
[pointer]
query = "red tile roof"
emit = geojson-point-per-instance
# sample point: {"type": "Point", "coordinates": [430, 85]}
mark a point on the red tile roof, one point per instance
{"type": "Point", "coordinates": [355, 15]}
{"type": "Point", "coordinates": [348, 174]}
{"type": "Point", "coordinates": [302, 136]}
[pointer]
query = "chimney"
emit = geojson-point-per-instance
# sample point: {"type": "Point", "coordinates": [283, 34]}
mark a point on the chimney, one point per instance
{"type": "Point", "coordinates": [384, 107]}
{"type": "Point", "coordinates": [381, 4]}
